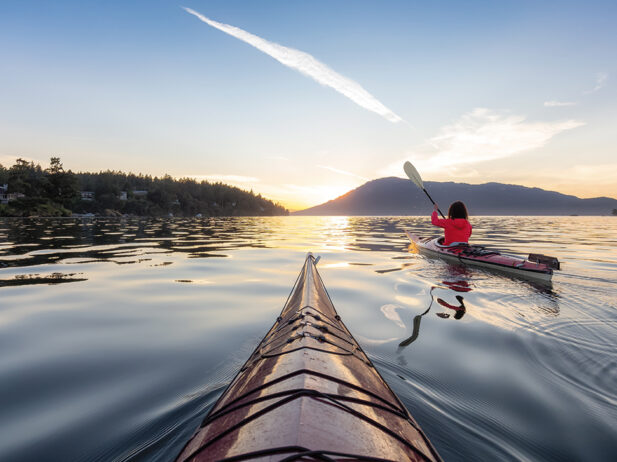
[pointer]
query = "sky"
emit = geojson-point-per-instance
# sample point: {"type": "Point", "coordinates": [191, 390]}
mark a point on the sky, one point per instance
{"type": "Point", "coordinates": [302, 101]}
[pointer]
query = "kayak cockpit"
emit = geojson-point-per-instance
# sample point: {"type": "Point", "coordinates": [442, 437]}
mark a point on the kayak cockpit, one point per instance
{"type": "Point", "coordinates": [439, 243]}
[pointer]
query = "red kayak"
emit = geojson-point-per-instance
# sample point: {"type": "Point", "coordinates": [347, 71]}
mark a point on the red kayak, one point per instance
{"type": "Point", "coordinates": [308, 392]}
{"type": "Point", "coordinates": [535, 266]}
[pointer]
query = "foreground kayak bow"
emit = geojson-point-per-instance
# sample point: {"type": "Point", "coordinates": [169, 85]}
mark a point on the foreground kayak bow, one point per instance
{"type": "Point", "coordinates": [309, 392]}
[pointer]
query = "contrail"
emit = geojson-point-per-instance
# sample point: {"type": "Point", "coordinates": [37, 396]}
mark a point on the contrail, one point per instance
{"type": "Point", "coordinates": [307, 65]}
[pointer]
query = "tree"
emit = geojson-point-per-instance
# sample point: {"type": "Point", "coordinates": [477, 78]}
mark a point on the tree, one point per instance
{"type": "Point", "coordinates": [26, 178]}
{"type": "Point", "coordinates": [55, 191]}
{"type": "Point", "coordinates": [55, 166]}
{"type": "Point", "coordinates": [62, 186]}
{"type": "Point", "coordinates": [4, 175]}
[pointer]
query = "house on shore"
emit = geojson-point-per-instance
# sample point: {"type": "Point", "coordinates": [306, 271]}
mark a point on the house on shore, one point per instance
{"type": "Point", "coordinates": [6, 197]}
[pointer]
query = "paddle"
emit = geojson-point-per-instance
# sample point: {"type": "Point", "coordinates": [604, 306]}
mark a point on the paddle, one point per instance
{"type": "Point", "coordinates": [414, 176]}
{"type": "Point", "coordinates": [416, 324]}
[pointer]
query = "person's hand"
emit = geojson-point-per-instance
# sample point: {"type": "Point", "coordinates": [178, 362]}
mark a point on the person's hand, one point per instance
{"type": "Point", "coordinates": [435, 207]}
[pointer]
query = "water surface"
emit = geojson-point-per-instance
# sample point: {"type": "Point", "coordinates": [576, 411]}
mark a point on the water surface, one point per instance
{"type": "Point", "coordinates": [117, 336]}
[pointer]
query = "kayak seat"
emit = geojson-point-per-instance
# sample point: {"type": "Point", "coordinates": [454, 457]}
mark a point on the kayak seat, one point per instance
{"type": "Point", "coordinates": [452, 244]}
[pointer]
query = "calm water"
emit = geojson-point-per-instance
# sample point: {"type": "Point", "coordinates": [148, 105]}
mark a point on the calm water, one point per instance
{"type": "Point", "coordinates": [116, 336]}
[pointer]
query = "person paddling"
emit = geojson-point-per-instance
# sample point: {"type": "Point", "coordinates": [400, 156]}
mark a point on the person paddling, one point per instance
{"type": "Point", "coordinates": [456, 227]}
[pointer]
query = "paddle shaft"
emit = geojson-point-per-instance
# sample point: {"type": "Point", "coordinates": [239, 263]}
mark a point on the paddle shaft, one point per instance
{"type": "Point", "coordinates": [429, 196]}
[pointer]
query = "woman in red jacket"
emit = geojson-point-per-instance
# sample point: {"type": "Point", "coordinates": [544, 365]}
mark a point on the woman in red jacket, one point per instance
{"type": "Point", "coordinates": [456, 227]}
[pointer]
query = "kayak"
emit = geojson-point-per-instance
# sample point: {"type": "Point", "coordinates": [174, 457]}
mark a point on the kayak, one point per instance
{"type": "Point", "coordinates": [536, 266]}
{"type": "Point", "coordinates": [309, 392]}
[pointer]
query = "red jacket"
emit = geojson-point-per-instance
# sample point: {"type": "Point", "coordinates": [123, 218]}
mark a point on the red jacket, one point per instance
{"type": "Point", "coordinates": [455, 230]}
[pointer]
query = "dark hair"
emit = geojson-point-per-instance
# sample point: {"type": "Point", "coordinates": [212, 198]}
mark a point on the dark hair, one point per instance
{"type": "Point", "coordinates": [457, 210]}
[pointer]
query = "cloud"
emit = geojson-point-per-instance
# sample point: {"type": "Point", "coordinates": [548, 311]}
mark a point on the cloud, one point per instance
{"type": "Point", "coordinates": [299, 196]}
{"type": "Point", "coordinates": [224, 178]}
{"type": "Point", "coordinates": [559, 103]}
{"type": "Point", "coordinates": [307, 65]}
{"type": "Point", "coordinates": [603, 174]}
{"type": "Point", "coordinates": [316, 193]}
{"type": "Point", "coordinates": [580, 179]}
{"type": "Point", "coordinates": [478, 136]}
{"type": "Point", "coordinates": [601, 79]}
{"type": "Point", "coordinates": [390, 312]}
{"type": "Point", "coordinates": [342, 172]}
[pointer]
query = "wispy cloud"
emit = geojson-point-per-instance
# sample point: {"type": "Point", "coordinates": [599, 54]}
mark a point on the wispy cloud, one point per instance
{"type": "Point", "coordinates": [317, 193]}
{"type": "Point", "coordinates": [299, 196]}
{"type": "Point", "coordinates": [307, 65]}
{"type": "Point", "coordinates": [390, 312]}
{"type": "Point", "coordinates": [342, 172]}
{"type": "Point", "coordinates": [559, 103]}
{"type": "Point", "coordinates": [478, 136]}
{"type": "Point", "coordinates": [584, 180]}
{"type": "Point", "coordinates": [224, 178]}
{"type": "Point", "coordinates": [600, 174]}
{"type": "Point", "coordinates": [601, 79]}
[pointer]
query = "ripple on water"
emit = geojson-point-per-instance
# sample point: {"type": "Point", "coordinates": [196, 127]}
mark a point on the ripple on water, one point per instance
{"type": "Point", "coordinates": [124, 363]}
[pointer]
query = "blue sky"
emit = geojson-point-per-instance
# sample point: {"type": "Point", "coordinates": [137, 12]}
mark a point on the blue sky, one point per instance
{"type": "Point", "coordinates": [516, 92]}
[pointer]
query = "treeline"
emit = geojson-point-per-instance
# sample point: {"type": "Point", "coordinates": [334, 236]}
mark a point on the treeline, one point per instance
{"type": "Point", "coordinates": [54, 191]}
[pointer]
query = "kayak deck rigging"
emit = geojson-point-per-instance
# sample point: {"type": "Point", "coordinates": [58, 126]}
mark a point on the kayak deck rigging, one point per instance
{"type": "Point", "coordinates": [309, 392]}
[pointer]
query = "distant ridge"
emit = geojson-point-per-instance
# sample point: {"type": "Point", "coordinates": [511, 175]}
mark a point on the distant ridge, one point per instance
{"type": "Point", "coordinates": [397, 196]}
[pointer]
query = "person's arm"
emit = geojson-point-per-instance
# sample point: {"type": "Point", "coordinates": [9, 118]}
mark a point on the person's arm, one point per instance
{"type": "Point", "coordinates": [435, 220]}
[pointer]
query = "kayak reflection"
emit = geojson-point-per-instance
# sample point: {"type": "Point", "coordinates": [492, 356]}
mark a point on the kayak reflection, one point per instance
{"type": "Point", "coordinates": [460, 309]}
{"type": "Point", "coordinates": [458, 286]}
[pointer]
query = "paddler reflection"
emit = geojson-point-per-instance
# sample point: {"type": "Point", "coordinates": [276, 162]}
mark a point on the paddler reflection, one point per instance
{"type": "Point", "coordinates": [459, 309]}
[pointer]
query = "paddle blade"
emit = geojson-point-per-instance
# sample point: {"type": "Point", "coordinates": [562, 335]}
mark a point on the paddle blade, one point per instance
{"type": "Point", "coordinates": [413, 174]}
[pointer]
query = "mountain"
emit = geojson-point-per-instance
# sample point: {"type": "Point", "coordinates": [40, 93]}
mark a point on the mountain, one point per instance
{"type": "Point", "coordinates": [397, 196]}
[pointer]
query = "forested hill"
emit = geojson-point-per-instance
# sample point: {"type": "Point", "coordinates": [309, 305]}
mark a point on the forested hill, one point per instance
{"type": "Point", "coordinates": [397, 196]}
{"type": "Point", "coordinates": [34, 191]}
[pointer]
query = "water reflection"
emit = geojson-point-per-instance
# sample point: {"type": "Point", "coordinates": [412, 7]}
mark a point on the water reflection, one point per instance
{"type": "Point", "coordinates": [32, 279]}
{"type": "Point", "coordinates": [35, 242]}
{"type": "Point", "coordinates": [416, 324]}
{"type": "Point", "coordinates": [132, 356]}
{"type": "Point", "coordinates": [459, 309]}
{"type": "Point", "coordinates": [458, 286]}
{"type": "Point", "coordinates": [38, 242]}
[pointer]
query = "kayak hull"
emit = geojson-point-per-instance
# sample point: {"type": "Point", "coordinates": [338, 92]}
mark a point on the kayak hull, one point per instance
{"type": "Point", "coordinates": [308, 390]}
{"type": "Point", "coordinates": [461, 254]}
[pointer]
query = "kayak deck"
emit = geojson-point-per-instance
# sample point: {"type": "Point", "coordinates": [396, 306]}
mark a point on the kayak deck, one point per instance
{"type": "Point", "coordinates": [309, 392]}
{"type": "Point", "coordinates": [481, 257]}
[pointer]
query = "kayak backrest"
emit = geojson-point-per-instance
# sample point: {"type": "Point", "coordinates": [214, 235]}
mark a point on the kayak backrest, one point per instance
{"type": "Point", "coordinates": [440, 243]}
